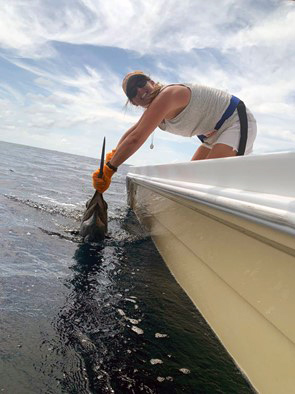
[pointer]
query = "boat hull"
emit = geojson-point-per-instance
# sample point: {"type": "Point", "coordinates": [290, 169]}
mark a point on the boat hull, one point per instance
{"type": "Point", "coordinates": [238, 269]}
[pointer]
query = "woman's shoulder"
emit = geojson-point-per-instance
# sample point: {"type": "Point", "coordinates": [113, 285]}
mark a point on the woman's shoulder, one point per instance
{"type": "Point", "coordinates": [174, 91]}
{"type": "Point", "coordinates": [173, 99]}
{"type": "Point", "coordinates": [175, 87]}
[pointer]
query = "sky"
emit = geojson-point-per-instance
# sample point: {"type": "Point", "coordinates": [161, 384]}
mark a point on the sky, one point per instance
{"type": "Point", "coordinates": [62, 63]}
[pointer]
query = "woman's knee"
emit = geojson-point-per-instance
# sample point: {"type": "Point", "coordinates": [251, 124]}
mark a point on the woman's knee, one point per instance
{"type": "Point", "coordinates": [201, 153]}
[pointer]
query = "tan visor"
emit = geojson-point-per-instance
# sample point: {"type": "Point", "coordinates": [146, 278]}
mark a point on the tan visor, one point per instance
{"type": "Point", "coordinates": [126, 78]}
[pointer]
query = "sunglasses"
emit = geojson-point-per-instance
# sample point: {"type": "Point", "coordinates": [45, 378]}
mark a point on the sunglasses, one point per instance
{"type": "Point", "coordinates": [137, 81]}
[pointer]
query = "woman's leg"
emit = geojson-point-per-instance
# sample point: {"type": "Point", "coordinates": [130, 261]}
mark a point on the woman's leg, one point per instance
{"type": "Point", "coordinates": [227, 143]}
{"type": "Point", "coordinates": [221, 150]}
{"type": "Point", "coordinates": [217, 151]}
{"type": "Point", "coordinates": [201, 153]}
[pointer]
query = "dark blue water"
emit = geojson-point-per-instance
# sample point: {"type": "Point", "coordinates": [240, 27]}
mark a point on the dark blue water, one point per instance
{"type": "Point", "coordinates": [91, 318]}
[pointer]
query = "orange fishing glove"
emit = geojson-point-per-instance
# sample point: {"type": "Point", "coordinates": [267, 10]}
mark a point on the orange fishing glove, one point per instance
{"type": "Point", "coordinates": [109, 155]}
{"type": "Point", "coordinates": [102, 184]}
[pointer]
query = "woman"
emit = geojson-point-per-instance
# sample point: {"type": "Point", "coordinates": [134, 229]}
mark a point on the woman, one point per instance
{"type": "Point", "coordinates": [220, 120]}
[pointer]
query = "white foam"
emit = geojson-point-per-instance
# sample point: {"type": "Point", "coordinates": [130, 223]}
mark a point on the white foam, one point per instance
{"type": "Point", "coordinates": [133, 321]}
{"type": "Point", "coordinates": [138, 330]}
{"type": "Point", "coordinates": [121, 312]}
{"type": "Point", "coordinates": [158, 335]}
{"type": "Point", "coordinates": [56, 202]}
{"type": "Point", "coordinates": [155, 361]}
{"type": "Point", "coordinates": [185, 371]}
{"type": "Point", "coordinates": [130, 300]}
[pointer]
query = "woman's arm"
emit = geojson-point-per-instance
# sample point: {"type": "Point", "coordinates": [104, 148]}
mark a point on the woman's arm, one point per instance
{"type": "Point", "coordinates": [167, 101]}
{"type": "Point", "coordinates": [126, 134]}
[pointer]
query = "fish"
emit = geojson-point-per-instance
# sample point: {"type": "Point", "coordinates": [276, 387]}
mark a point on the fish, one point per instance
{"type": "Point", "coordinates": [94, 223]}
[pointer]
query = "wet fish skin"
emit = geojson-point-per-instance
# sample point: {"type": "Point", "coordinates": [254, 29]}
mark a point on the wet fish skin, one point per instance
{"type": "Point", "coordinates": [94, 224]}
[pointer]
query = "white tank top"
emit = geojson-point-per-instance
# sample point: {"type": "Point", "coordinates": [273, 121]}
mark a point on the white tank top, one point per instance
{"type": "Point", "coordinates": [204, 110]}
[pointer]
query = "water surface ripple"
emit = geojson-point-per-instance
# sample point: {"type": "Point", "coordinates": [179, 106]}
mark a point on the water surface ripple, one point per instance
{"type": "Point", "coordinates": [91, 318]}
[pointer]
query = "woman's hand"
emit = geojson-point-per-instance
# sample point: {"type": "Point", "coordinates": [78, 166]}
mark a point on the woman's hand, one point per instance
{"type": "Point", "coordinates": [102, 184]}
{"type": "Point", "coordinates": [208, 134]}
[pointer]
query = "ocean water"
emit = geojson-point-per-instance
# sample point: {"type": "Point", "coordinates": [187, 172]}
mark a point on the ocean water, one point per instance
{"type": "Point", "coordinates": [81, 318]}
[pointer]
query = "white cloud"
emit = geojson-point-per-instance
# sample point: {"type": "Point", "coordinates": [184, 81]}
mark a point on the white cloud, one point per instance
{"type": "Point", "coordinates": [141, 26]}
{"type": "Point", "coordinates": [277, 29]}
{"type": "Point", "coordinates": [244, 47]}
{"type": "Point", "coordinates": [65, 120]}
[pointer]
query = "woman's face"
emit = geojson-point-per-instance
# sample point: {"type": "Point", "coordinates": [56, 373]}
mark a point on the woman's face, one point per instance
{"type": "Point", "coordinates": [142, 97]}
